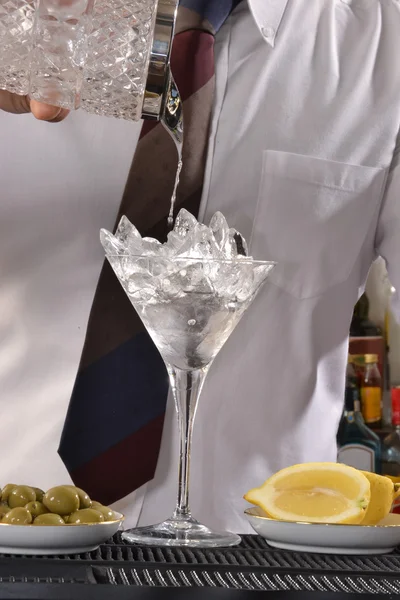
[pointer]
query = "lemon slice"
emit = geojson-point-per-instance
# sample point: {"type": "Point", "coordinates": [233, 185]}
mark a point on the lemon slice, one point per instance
{"type": "Point", "coordinates": [383, 493]}
{"type": "Point", "coordinates": [314, 493]}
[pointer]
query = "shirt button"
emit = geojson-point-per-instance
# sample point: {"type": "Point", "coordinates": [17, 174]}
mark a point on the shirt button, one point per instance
{"type": "Point", "coordinates": [268, 32]}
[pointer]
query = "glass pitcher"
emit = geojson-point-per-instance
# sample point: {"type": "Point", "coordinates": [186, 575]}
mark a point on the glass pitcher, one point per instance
{"type": "Point", "coordinates": [110, 57]}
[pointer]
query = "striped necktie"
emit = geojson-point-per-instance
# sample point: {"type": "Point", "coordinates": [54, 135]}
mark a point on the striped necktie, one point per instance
{"type": "Point", "coordinates": [112, 433]}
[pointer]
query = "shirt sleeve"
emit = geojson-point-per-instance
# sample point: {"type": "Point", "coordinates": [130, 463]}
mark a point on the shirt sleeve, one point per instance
{"type": "Point", "coordinates": [388, 231]}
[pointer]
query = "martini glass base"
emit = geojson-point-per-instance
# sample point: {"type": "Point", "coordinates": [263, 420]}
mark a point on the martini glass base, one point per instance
{"type": "Point", "coordinates": [182, 531]}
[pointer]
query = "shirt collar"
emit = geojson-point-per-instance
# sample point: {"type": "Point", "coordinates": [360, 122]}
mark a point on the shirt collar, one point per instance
{"type": "Point", "coordinates": [268, 15]}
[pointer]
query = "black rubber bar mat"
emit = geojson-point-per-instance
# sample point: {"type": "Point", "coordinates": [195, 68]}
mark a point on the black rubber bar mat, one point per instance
{"type": "Point", "coordinates": [253, 552]}
{"type": "Point", "coordinates": [251, 567]}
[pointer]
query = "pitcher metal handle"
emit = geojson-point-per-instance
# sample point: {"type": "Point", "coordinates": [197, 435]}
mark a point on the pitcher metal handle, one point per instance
{"type": "Point", "coordinates": [159, 81]}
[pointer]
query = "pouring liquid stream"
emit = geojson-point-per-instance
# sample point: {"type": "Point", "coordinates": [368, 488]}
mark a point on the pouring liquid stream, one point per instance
{"type": "Point", "coordinates": [172, 121]}
{"type": "Point", "coordinates": [174, 192]}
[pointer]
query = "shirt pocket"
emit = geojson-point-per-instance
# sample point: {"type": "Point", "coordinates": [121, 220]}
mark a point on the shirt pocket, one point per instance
{"type": "Point", "coordinates": [312, 217]}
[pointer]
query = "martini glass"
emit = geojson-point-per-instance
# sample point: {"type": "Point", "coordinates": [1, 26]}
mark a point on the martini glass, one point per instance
{"type": "Point", "coordinates": [190, 307]}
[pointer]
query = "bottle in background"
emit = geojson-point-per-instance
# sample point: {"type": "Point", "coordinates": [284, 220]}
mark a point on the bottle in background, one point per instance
{"type": "Point", "coordinates": [366, 337]}
{"type": "Point", "coordinates": [371, 392]}
{"type": "Point", "coordinates": [386, 397]}
{"type": "Point", "coordinates": [358, 446]}
{"type": "Point", "coordinates": [391, 444]}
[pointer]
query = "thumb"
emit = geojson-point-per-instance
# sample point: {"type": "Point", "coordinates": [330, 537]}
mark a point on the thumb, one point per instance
{"type": "Point", "coordinates": [45, 112]}
{"type": "Point", "coordinates": [16, 104]}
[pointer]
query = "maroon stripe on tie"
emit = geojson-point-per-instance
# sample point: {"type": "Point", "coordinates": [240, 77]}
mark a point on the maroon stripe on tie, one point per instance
{"type": "Point", "coordinates": [192, 61]}
{"type": "Point", "coordinates": [124, 465]}
{"type": "Point", "coordinates": [192, 64]}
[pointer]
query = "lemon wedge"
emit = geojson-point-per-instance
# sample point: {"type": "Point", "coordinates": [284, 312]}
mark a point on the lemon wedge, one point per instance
{"type": "Point", "coordinates": [314, 493]}
{"type": "Point", "coordinates": [383, 493]}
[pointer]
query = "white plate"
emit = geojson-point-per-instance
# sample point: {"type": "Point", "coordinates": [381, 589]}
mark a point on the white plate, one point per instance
{"type": "Point", "coordinates": [50, 539]}
{"type": "Point", "coordinates": [330, 539]}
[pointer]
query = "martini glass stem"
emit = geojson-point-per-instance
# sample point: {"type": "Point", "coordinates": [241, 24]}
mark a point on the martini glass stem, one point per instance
{"type": "Point", "coordinates": [186, 388]}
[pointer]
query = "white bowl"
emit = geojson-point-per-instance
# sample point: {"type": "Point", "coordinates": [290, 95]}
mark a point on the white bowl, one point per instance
{"type": "Point", "coordinates": [50, 539]}
{"type": "Point", "coordinates": [329, 539]}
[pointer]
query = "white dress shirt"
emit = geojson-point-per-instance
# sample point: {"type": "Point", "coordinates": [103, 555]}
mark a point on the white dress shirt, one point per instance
{"type": "Point", "coordinates": [58, 185]}
{"type": "Point", "coordinates": [301, 161]}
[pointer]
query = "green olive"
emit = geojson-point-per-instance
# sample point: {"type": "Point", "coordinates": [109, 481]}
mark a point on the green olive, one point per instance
{"type": "Point", "coordinates": [36, 509]}
{"type": "Point", "coordinates": [39, 494]}
{"type": "Point", "coordinates": [6, 491]}
{"type": "Point", "coordinates": [49, 519]}
{"type": "Point", "coordinates": [18, 516]}
{"type": "Point", "coordinates": [95, 503]}
{"type": "Point", "coordinates": [86, 515]}
{"type": "Point", "coordinates": [3, 510]}
{"type": "Point", "coordinates": [84, 500]}
{"type": "Point", "coordinates": [61, 500]}
{"type": "Point", "coordinates": [20, 496]}
{"type": "Point", "coordinates": [108, 514]}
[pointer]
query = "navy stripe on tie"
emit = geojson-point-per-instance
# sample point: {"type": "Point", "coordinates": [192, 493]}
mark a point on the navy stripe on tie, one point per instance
{"type": "Point", "coordinates": [215, 11]}
{"type": "Point", "coordinates": [113, 398]}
